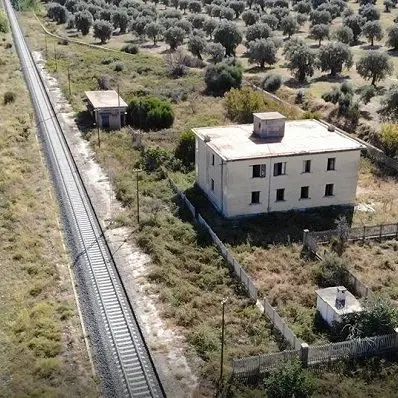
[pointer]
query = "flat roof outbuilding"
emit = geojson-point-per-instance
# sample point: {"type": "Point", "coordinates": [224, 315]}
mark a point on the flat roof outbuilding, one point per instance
{"type": "Point", "coordinates": [105, 99]}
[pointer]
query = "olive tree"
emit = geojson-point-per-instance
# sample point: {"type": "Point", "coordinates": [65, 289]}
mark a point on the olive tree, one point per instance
{"type": "Point", "coordinates": [333, 56]}
{"type": "Point", "coordinates": [262, 51]}
{"type": "Point", "coordinates": [102, 30]}
{"type": "Point", "coordinates": [389, 104]}
{"type": "Point", "coordinates": [289, 25]}
{"type": "Point", "coordinates": [258, 31]}
{"type": "Point", "coordinates": [174, 37]}
{"type": "Point", "coordinates": [249, 17]}
{"type": "Point", "coordinates": [392, 37]}
{"type": "Point", "coordinates": [154, 30]}
{"type": "Point", "coordinates": [355, 23]}
{"type": "Point", "coordinates": [83, 21]}
{"type": "Point", "coordinates": [375, 66]}
{"type": "Point", "coordinates": [320, 32]}
{"type": "Point", "coordinates": [237, 6]}
{"type": "Point", "coordinates": [197, 45]}
{"type": "Point", "coordinates": [228, 35]}
{"type": "Point", "coordinates": [343, 34]}
{"type": "Point", "coordinates": [372, 30]}
{"type": "Point", "coordinates": [301, 59]}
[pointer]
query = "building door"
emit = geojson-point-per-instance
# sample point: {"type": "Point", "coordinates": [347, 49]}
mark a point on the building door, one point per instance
{"type": "Point", "coordinates": [105, 120]}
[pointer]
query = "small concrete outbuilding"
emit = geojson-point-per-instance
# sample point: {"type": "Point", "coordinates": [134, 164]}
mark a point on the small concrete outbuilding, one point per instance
{"type": "Point", "coordinates": [334, 302]}
{"type": "Point", "coordinates": [107, 109]}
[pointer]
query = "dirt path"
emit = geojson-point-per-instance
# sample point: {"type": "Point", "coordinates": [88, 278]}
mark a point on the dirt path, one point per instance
{"type": "Point", "coordinates": [166, 345]}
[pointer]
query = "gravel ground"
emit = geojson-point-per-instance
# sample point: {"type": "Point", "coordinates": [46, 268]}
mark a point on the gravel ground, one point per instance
{"type": "Point", "coordinates": [167, 347]}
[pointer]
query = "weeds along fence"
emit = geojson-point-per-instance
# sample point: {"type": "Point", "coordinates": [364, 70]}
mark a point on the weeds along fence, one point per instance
{"type": "Point", "coordinates": [317, 354]}
{"type": "Point", "coordinates": [312, 240]}
{"type": "Point", "coordinates": [238, 270]}
{"type": "Point", "coordinates": [240, 273]}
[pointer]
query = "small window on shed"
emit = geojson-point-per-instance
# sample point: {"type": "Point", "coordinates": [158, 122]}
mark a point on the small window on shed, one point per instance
{"type": "Point", "coordinates": [212, 160]}
{"type": "Point", "coordinates": [212, 184]}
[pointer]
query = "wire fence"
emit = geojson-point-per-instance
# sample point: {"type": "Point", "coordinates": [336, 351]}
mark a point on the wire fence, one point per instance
{"type": "Point", "coordinates": [239, 272]}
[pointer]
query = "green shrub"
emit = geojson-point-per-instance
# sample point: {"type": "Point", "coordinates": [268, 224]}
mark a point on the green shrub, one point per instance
{"type": "Point", "coordinates": [9, 97]}
{"type": "Point", "coordinates": [241, 103]}
{"type": "Point", "coordinates": [205, 340]}
{"type": "Point", "coordinates": [222, 77]}
{"type": "Point", "coordinates": [389, 139]}
{"type": "Point", "coordinates": [153, 158]}
{"type": "Point", "coordinates": [379, 316]}
{"type": "Point", "coordinates": [46, 367]}
{"type": "Point", "coordinates": [119, 66]}
{"type": "Point", "coordinates": [272, 82]}
{"type": "Point", "coordinates": [130, 49]}
{"type": "Point", "coordinates": [332, 271]}
{"type": "Point", "coordinates": [289, 380]}
{"type": "Point", "coordinates": [185, 150]}
{"type": "Point", "coordinates": [150, 113]}
{"type": "Point", "coordinates": [3, 22]}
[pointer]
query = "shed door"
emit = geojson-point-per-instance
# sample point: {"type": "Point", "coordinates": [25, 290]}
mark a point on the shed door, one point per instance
{"type": "Point", "coordinates": [105, 120]}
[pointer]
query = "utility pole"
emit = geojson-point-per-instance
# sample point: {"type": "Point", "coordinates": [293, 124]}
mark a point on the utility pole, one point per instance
{"type": "Point", "coordinates": [55, 58]}
{"type": "Point", "coordinates": [45, 40]}
{"type": "Point", "coordinates": [98, 134]}
{"type": "Point", "coordinates": [70, 92]}
{"type": "Point", "coordinates": [223, 302]}
{"type": "Point", "coordinates": [118, 104]}
{"type": "Point", "coordinates": [138, 196]}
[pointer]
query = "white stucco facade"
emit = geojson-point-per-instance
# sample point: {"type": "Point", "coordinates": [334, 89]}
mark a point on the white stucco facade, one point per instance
{"type": "Point", "coordinates": [240, 178]}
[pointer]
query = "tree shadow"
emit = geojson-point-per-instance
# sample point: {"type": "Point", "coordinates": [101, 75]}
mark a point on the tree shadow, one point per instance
{"type": "Point", "coordinates": [260, 230]}
{"type": "Point", "coordinates": [150, 46]}
{"type": "Point", "coordinates": [331, 79]}
{"type": "Point", "coordinates": [366, 115]}
{"type": "Point", "coordinates": [84, 120]}
{"type": "Point", "coordinates": [370, 47]}
{"type": "Point", "coordinates": [258, 69]}
{"type": "Point", "coordinates": [392, 52]}
{"type": "Point", "coordinates": [294, 83]}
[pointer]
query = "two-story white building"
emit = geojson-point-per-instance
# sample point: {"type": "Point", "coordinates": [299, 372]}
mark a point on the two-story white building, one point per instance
{"type": "Point", "coordinates": [276, 165]}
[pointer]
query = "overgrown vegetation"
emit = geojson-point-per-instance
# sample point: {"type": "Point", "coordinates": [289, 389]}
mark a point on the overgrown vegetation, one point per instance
{"type": "Point", "coordinates": [378, 317]}
{"type": "Point", "coordinates": [42, 353]}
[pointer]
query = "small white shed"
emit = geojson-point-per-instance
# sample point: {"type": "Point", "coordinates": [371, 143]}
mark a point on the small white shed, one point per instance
{"type": "Point", "coordinates": [333, 302]}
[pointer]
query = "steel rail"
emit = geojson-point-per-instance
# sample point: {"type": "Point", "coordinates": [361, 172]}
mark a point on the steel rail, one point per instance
{"type": "Point", "coordinates": [129, 356]}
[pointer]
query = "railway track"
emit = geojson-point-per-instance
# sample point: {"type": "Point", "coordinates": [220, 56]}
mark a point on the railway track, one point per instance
{"type": "Point", "coordinates": [127, 368]}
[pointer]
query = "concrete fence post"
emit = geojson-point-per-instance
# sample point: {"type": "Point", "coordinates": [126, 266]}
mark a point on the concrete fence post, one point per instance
{"type": "Point", "coordinates": [304, 349]}
{"type": "Point", "coordinates": [305, 238]}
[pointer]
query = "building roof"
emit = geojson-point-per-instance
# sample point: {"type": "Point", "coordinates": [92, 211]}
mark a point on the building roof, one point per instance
{"type": "Point", "coordinates": [105, 99]}
{"type": "Point", "coordinates": [328, 295]}
{"type": "Point", "coordinates": [237, 142]}
{"type": "Point", "coordinates": [269, 115]}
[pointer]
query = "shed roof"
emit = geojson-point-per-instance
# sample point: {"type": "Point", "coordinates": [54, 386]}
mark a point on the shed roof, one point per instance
{"type": "Point", "coordinates": [237, 142]}
{"type": "Point", "coordinates": [328, 295]}
{"type": "Point", "coordinates": [105, 99]}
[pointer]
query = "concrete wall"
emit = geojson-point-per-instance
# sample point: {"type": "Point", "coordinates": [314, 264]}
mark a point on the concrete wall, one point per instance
{"type": "Point", "coordinates": [115, 123]}
{"type": "Point", "coordinates": [232, 194]}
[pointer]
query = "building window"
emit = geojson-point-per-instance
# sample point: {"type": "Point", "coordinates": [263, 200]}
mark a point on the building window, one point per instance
{"type": "Point", "coordinates": [212, 160]}
{"type": "Point", "coordinates": [305, 192]}
{"type": "Point", "coordinates": [331, 164]}
{"type": "Point", "coordinates": [212, 184]}
{"type": "Point", "coordinates": [280, 194]}
{"type": "Point", "coordinates": [307, 166]}
{"type": "Point", "coordinates": [259, 171]}
{"type": "Point", "coordinates": [255, 197]}
{"type": "Point", "coordinates": [329, 189]}
{"type": "Point", "coordinates": [279, 169]}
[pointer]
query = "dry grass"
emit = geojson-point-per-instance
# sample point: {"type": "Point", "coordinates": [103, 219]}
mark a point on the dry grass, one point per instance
{"type": "Point", "coordinates": [378, 189]}
{"type": "Point", "coordinates": [41, 348]}
{"type": "Point", "coordinates": [376, 264]}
